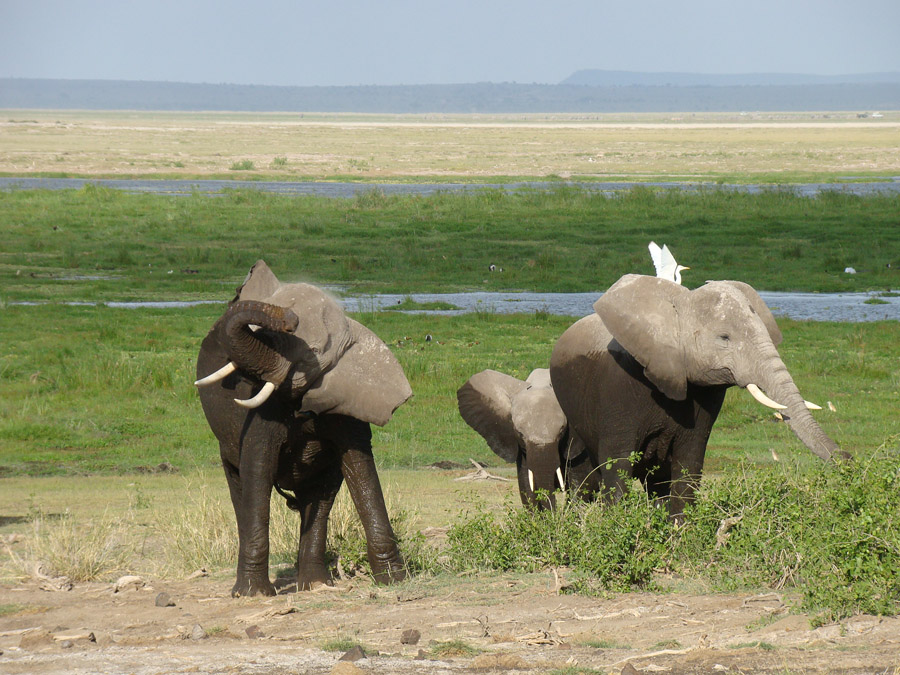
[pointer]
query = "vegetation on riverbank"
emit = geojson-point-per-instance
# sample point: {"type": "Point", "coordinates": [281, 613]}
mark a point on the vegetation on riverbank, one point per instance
{"type": "Point", "coordinates": [97, 243]}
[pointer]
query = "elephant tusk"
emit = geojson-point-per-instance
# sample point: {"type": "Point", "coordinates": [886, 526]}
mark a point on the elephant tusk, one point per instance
{"type": "Point", "coordinates": [259, 399]}
{"type": "Point", "coordinates": [812, 406]}
{"type": "Point", "coordinates": [756, 392]}
{"type": "Point", "coordinates": [559, 477]}
{"type": "Point", "coordinates": [220, 374]}
{"type": "Point", "coordinates": [531, 480]}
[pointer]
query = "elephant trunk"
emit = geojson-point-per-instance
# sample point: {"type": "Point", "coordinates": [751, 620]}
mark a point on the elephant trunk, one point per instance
{"type": "Point", "coordinates": [254, 351]}
{"type": "Point", "coordinates": [773, 377]}
{"type": "Point", "coordinates": [540, 475]}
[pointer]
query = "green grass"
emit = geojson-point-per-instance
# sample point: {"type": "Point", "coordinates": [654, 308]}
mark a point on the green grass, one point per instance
{"type": "Point", "coordinates": [87, 389]}
{"type": "Point", "coordinates": [97, 243]}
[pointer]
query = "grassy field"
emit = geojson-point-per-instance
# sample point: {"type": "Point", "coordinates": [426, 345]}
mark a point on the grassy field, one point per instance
{"type": "Point", "coordinates": [102, 244]}
{"type": "Point", "coordinates": [89, 389]}
{"type": "Point", "coordinates": [755, 147]}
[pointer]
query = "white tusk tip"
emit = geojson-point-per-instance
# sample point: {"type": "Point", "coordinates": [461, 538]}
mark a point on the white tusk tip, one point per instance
{"type": "Point", "coordinates": [220, 374]}
{"type": "Point", "coordinates": [812, 406]}
{"type": "Point", "coordinates": [259, 399]}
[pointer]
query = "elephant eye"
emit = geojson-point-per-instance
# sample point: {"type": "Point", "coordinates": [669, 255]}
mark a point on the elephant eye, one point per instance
{"type": "Point", "coordinates": [725, 337]}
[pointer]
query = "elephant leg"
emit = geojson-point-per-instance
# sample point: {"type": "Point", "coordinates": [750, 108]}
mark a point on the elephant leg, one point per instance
{"type": "Point", "coordinates": [248, 582]}
{"type": "Point", "coordinates": [315, 506]}
{"type": "Point", "coordinates": [353, 439]}
{"type": "Point", "coordinates": [613, 473]}
{"type": "Point", "coordinates": [251, 498]}
{"type": "Point", "coordinates": [687, 465]}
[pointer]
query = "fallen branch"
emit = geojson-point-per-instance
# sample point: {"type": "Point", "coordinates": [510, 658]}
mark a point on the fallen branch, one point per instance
{"type": "Point", "coordinates": [481, 473]}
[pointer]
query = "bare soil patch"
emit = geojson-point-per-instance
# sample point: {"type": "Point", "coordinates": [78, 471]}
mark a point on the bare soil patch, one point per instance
{"type": "Point", "coordinates": [512, 623]}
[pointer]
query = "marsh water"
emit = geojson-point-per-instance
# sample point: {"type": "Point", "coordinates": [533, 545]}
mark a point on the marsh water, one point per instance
{"type": "Point", "coordinates": [347, 190]}
{"type": "Point", "coordinates": [849, 307]}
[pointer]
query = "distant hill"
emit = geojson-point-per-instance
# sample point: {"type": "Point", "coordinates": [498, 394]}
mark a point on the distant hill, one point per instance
{"type": "Point", "coordinates": [692, 96]}
{"type": "Point", "coordinates": [625, 78]}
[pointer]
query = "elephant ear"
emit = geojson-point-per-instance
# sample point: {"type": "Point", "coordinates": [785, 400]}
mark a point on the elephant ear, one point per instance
{"type": "Point", "coordinates": [366, 382]}
{"type": "Point", "coordinates": [641, 313]}
{"type": "Point", "coordinates": [485, 403]}
{"type": "Point", "coordinates": [539, 377]}
{"type": "Point", "coordinates": [759, 307]}
{"type": "Point", "coordinates": [259, 284]}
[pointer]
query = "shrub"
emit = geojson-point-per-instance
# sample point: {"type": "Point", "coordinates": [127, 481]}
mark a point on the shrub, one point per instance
{"type": "Point", "coordinates": [243, 165]}
{"type": "Point", "coordinates": [832, 534]}
{"type": "Point", "coordinates": [610, 547]}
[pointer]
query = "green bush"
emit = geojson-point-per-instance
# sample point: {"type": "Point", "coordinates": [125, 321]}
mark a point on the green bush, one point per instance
{"type": "Point", "coordinates": [609, 547]}
{"type": "Point", "coordinates": [831, 534]}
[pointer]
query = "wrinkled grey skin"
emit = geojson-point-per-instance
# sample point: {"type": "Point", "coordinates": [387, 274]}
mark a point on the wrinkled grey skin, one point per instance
{"type": "Point", "coordinates": [332, 378]}
{"type": "Point", "coordinates": [522, 423]}
{"type": "Point", "coordinates": [644, 378]}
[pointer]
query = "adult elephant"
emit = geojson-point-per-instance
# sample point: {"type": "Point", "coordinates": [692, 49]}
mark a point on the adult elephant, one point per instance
{"type": "Point", "coordinates": [522, 423]}
{"type": "Point", "coordinates": [642, 380]}
{"type": "Point", "coordinates": [289, 385]}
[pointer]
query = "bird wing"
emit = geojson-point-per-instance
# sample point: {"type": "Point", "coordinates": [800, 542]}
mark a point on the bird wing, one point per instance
{"type": "Point", "coordinates": [656, 256]}
{"type": "Point", "coordinates": [668, 262]}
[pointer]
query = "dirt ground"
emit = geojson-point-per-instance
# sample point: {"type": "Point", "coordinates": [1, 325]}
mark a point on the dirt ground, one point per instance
{"type": "Point", "coordinates": [497, 623]}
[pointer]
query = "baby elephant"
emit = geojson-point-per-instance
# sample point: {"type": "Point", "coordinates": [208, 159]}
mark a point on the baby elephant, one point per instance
{"type": "Point", "coordinates": [522, 423]}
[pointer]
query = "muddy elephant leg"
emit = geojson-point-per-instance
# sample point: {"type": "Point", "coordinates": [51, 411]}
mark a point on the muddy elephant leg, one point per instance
{"type": "Point", "coordinates": [315, 506]}
{"type": "Point", "coordinates": [353, 439]}
{"type": "Point", "coordinates": [251, 489]}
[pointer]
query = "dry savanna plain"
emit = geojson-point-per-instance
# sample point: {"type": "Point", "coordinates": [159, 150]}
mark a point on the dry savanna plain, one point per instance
{"type": "Point", "coordinates": [752, 146]}
{"type": "Point", "coordinates": [131, 573]}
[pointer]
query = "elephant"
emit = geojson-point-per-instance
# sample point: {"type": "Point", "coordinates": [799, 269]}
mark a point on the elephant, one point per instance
{"type": "Point", "coordinates": [522, 423]}
{"type": "Point", "coordinates": [289, 385]}
{"type": "Point", "coordinates": [642, 380]}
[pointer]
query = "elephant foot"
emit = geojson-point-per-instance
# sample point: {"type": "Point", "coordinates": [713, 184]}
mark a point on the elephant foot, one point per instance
{"type": "Point", "coordinates": [309, 578]}
{"type": "Point", "coordinates": [250, 586]}
{"type": "Point", "coordinates": [390, 573]}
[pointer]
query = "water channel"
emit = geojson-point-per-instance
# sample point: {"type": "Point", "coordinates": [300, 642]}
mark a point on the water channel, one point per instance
{"type": "Point", "coordinates": [346, 190]}
{"type": "Point", "coordinates": [848, 307]}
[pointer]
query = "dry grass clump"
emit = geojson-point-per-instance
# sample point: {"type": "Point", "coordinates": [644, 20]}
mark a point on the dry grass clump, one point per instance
{"type": "Point", "coordinates": [61, 546]}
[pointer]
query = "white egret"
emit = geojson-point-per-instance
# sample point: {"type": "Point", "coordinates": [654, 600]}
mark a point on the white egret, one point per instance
{"type": "Point", "coordinates": [664, 261]}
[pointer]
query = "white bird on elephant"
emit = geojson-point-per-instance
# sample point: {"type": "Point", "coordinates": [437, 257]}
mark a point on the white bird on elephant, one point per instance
{"type": "Point", "coordinates": [664, 261]}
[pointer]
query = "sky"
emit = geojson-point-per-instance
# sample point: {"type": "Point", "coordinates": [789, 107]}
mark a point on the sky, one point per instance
{"type": "Point", "coordinates": [350, 42]}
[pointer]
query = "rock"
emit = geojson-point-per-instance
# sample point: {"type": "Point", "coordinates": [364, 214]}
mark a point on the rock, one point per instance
{"type": "Point", "coordinates": [36, 639]}
{"type": "Point", "coordinates": [164, 600]}
{"type": "Point", "coordinates": [498, 661]}
{"type": "Point", "coordinates": [354, 654]}
{"type": "Point", "coordinates": [629, 670]}
{"type": "Point", "coordinates": [254, 632]}
{"type": "Point", "coordinates": [129, 582]}
{"type": "Point", "coordinates": [66, 644]}
{"type": "Point", "coordinates": [410, 637]}
{"type": "Point", "coordinates": [346, 668]}
{"type": "Point", "coordinates": [197, 632]}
